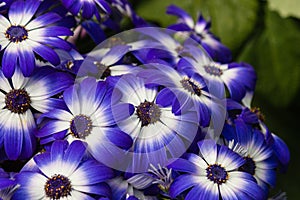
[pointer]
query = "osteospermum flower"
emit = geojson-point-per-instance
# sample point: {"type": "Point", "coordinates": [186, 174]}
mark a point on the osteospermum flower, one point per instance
{"type": "Point", "coordinates": [22, 36]}
{"type": "Point", "coordinates": [88, 118]}
{"type": "Point", "coordinates": [157, 132]}
{"type": "Point", "coordinates": [214, 175]}
{"type": "Point", "coordinates": [88, 7]}
{"type": "Point", "coordinates": [63, 173]}
{"type": "Point", "coordinates": [19, 96]}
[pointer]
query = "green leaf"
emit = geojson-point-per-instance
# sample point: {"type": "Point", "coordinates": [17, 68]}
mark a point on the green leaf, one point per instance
{"type": "Point", "coordinates": [232, 20]}
{"type": "Point", "coordinates": [275, 55]}
{"type": "Point", "coordinates": [286, 8]}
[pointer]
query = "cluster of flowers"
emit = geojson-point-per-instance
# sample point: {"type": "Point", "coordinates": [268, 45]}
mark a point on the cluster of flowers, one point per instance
{"type": "Point", "coordinates": [150, 113]}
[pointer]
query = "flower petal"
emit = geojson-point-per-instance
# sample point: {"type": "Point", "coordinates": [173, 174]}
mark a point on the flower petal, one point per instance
{"type": "Point", "coordinates": [13, 138]}
{"type": "Point", "coordinates": [9, 60]}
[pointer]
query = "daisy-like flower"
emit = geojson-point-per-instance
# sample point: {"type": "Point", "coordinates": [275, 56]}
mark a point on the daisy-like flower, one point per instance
{"type": "Point", "coordinates": [259, 159]}
{"type": "Point", "coordinates": [64, 173]}
{"type": "Point", "coordinates": [157, 132]}
{"type": "Point", "coordinates": [185, 90]}
{"type": "Point", "coordinates": [88, 8]}
{"type": "Point", "coordinates": [200, 32]}
{"type": "Point", "coordinates": [88, 118]}
{"type": "Point", "coordinates": [19, 96]}
{"type": "Point", "coordinates": [239, 78]}
{"type": "Point", "coordinates": [214, 175]}
{"type": "Point", "coordinates": [22, 36]}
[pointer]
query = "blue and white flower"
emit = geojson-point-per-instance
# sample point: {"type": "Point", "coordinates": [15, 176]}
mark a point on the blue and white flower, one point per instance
{"type": "Point", "coordinates": [89, 118]}
{"type": "Point", "coordinates": [25, 35]}
{"type": "Point", "coordinates": [156, 131]}
{"type": "Point", "coordinates": [64, 173]}
{"type": "Point", "coordinates": [213, 174]}
{"type": "Point", "coordinates": [19, 97]}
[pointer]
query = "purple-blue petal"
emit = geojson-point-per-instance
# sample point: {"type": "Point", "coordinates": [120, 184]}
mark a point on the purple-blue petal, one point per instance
{"type": "Point", "coordinates": [9, 62]}
{"type": "Point", "coordinates": [119, 138]}
{"type": "Point", "coordinates": [13, 140]}
{"type": "Point", "coordinates": [95, 172]}
{"type": "Point", "coordinates": [47, 53]}
{"type": "Point", "coordinates": [183, 165]}
{"type": "Point", "coordinates": [181, 184]}
{"type": "Point", "coordinates": [165, 97]}
{"type": "Point", "coordinates": [26, 62]}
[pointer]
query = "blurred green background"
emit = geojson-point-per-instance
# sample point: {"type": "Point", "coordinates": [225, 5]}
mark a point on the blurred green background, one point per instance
{"type": "Point", "coordinates": [265, 34]}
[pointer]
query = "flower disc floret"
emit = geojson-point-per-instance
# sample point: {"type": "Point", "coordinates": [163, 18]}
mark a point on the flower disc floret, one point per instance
{"type": "Point", "coordinates": [58, 186]}
{"type": "Point", "coordinates": [17, 101]}
{"type": "Point", "coordinates": [217, 174]}
{"type": "Point", "coordinates": [81, 126]}
{"type": "Point", "coordinates": [148, 113]}
{"type": "Point", "coordinates": [16, 33]}
{"type": "Point", "coordinates": [191, 86]}
{"type": "Point", "coordinates": [213, 70]}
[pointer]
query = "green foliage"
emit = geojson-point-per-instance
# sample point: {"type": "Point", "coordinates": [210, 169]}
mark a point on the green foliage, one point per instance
{"type": "Point", "coordinates": [286, 8]}
{"type": "Point", "coordinates": [275, 54]}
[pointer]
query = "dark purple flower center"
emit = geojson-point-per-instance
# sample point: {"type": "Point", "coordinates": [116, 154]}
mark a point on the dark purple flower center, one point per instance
{"type": "Point", "coordinates": [103, 70]}
{"type": "Point", "coordinates": [249, 166]}
{"type": "Point", "coordinates": [148, 113]}
{"type": "Point", "coordinates": [191, 86]}
{"type": "Point", "coordinates": [17, 101]}
{"type": "Point", "coordinates": [16, 34]}
{"type": "Point", "coordinates": [58, 186]}
{"type": "Point", "coordinates": [81, 126]}
{"type": "Point", "coordinates": [213, 70]}
{"type": "Point", "coordinates": [217, 174]}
